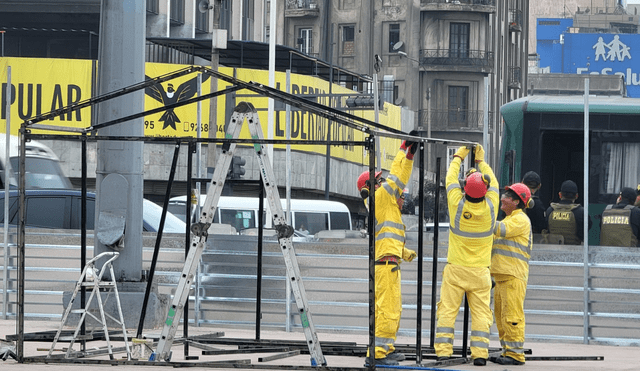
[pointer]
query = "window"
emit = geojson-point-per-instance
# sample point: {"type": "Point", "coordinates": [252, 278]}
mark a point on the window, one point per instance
{"type": "Point", "coordinates": [77, 213]}
{"type": "Point", "coordinates": [394, 36]}
{"type": "Point", "coordinates": [459, 40]}
{"type": "Point", "coordinates": [458, 105]}
{"type": "Point", "coordinates": [247, 19]}
{"type": "Point", "coordinates": [239, 219]}
{"type": "Point", "coordinates": [339, 220]}
{"type": "Point", "coordinates": [348, 38]}
{"type": "Point", "coordinates": [312, 222]}
{"type": "Point", "coordinates": [47, 212]}
{"type": "Point", "coordinates": [621, 165]}
{"type": "Point", "coordinates": [225, 16]}
{"type": "Point", "coordinates": [305, 41]}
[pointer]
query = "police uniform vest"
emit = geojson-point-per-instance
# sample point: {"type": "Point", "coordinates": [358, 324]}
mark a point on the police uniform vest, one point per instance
{"type": "Point", "coordinates": [616, 227]}
{"type": "Point", "coordinates": [562, 221]}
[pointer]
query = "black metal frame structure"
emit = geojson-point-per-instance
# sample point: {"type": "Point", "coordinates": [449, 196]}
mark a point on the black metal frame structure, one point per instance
{"type": "Point", "coordinates": [369, 128]}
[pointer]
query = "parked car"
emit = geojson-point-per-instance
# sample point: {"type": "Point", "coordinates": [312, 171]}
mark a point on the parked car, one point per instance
{"type": "Point", "coordinates": [61, 209]}
{"type": "Point", "coordinates": [42, 164]}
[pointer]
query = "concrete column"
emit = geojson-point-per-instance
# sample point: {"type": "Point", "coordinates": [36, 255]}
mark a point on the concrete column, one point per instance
{"type": "Point", "coordinates": [121, 63]}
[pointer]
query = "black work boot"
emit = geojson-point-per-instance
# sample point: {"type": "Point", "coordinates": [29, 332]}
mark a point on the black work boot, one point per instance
{"type": "Point", "coordinates": [480, 362]}
{"type": "Point", "coordinates": [383, 362]}
{"type": "Point", "coordinates": [396, 356]}
{"type": "Point", "coordinates": [508, 361]}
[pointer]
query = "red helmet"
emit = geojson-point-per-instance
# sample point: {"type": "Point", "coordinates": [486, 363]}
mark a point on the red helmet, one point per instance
{"type": "Point", "coordinates": [523, 192]}
{"type": "Point", "coordinates": [363, 180]}
{"type": "Point", "coordinates": [476, 185]}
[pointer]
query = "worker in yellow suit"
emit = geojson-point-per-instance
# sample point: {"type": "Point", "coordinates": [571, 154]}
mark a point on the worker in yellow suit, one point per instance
{"type": "Point", "coordinates": [510, 271]}
{"type": "Point", "coordinates": [389, 250]}
{"type": "Point", "coordinates": [472, 219]}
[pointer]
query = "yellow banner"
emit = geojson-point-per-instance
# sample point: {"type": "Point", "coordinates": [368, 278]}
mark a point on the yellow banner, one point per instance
{"type": "Point", "coordinates": [42, 85]}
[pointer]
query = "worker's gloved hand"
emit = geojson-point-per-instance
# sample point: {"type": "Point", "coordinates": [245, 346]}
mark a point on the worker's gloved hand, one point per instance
{"type": "Point", "coordinates": [408, 255]}
{"type": "Point", "coordinates": [462, 152]}
{"type": "Point", "coordinates": [409, 146]}
{"type": "Point", "coordinates": [479, 153]}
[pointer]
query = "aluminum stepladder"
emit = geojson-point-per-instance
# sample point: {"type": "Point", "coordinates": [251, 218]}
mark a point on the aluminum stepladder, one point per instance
{"type": "Point", "coordinates": [242, 111]}
{"type": "Point", "coordinates": [97, 284]}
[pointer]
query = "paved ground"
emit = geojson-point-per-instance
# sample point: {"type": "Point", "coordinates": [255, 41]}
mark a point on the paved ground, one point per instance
{"type": "Point", "coordinates": [615, 358]}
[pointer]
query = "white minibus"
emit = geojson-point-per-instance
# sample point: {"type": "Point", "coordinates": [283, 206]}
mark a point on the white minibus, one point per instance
{"type": "Point", "coordinates": [308, 216]}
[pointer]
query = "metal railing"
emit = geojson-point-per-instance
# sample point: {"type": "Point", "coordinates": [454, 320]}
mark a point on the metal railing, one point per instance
{"type": "Point", "coordinates": [456, 57]}
{"type": "Point", "coordinates": [453, 119]}
{"type": "Point", "coordinates": [515, 77]}
{"type": "Point", "coordinates": [457, 2]}
{"type": "Point", "coordinates": [301, 4]}
{"type": "Point", "coordinates": [336, 282]}
{"type": "Point", "coordinates": [515, 19]}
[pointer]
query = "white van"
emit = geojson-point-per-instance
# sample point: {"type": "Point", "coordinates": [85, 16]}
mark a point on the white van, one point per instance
{"type": "Point", "coordinates": [43, 166]}
{"type": "Point", "coordinates": [308, 216]}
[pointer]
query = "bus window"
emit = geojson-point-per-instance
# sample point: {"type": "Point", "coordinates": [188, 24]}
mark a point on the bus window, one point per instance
{"type": "Point", "coordinates": [340, 220]}
{"type": "Point", "coordinates": [240, 219]}
{"type": "Point", "coordinates": [312, 222]}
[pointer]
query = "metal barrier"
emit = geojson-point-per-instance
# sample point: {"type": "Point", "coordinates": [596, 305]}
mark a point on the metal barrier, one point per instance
{"type": "Point", "coordinates": [336, 281]}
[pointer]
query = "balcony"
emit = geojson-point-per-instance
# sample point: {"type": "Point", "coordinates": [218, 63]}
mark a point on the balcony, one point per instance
{"type": "Point", "coordinates": [483, 6]}
{"type": "Point", "coordinates": [515, 20]}
{"type": "Point", "coordinates": [515, 78]}
{"type": "Point", "coordinates": [301, 9]}
{"type": "Point", "coordinates": [453, 120]}
{"type": "Point", "coordinates": [457, 58]}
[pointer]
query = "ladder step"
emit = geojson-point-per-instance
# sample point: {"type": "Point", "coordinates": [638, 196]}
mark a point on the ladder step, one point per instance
{"type": "Point", "coordinates": [79, 337]}
{"type": "Point", "coordinates": [100, 284]}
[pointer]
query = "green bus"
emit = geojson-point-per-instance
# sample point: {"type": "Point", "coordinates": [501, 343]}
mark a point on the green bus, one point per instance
{"type": "Point", "coordinates": [544, 133]}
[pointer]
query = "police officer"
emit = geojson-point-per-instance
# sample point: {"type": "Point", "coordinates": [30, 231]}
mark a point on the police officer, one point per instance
{"type": "Point", "coordinates": [566, 218]}
{"type": "Point", "coordinates": [620, 223]}
{"type": "Point", "coordinates": [536, 213]}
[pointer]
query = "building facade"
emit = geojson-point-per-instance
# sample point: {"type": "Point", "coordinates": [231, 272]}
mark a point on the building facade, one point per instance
{"type": "Point", "coordinates": [452, 62]}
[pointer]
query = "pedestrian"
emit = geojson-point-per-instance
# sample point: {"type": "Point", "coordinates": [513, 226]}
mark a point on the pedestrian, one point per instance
{"type": "Point", "coordinates": [566, 218]}
{"type": "Point", "coordinates": [620, 223]}
{"type": "Point", "coordinates": [473, 217]}
{"type": "Point", "coordinates": [390, 250]}
{"type": "Point", "coordinates": [537, 212]}
{"type": "Point", "coordinates": [512, 242]}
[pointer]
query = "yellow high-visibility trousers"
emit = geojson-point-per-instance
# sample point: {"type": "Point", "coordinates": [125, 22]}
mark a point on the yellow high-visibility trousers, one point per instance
{"type": "Point", "coordinates": [388, 309]}
{"type": "Point", "coordinates": [508, 297]}
{"type": "Point", "coordinates": [476, 283]}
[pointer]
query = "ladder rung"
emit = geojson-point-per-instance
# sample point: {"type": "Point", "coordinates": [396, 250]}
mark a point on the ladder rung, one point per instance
{"type": "Point", "coordinates": [79, 337]}
{"type": "Point", "coordinates": [100, 284]}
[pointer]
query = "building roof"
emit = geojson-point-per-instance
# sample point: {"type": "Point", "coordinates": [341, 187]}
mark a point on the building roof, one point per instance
{"type": "Point", "coordinates": [255, 55]}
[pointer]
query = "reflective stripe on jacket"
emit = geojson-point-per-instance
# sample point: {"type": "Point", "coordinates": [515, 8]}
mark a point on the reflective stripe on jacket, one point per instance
{"type": "Point", "coordinates": [512, 246]}
{"type": "Point", "coordinates": [389, 227]}
{"type": "Point", "coordinates": [471, 224]}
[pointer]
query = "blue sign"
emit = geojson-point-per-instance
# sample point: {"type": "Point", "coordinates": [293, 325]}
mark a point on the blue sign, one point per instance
{"type": "Point", "coordinates": [603, 54]}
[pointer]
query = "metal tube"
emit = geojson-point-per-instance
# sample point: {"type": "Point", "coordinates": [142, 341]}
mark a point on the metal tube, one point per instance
{"type": "Point", "coordinates": [259, 263]}
{"type": "Point", "coordinates": [156, 249]}
{"type": "Point", "coordinates": [372, 251]}
{"type": "Point", "coordinates": [83, 234]}
{"type": "Point", "coordinates": [7, 154]}
{"type": "Point", "coordinates": [420, 256]}
{"type": "Point", "coordinates": [587, 305]}
{"type": "Point", "coordinates": [185, 313]}
{"type": "Point", "coordinates": [434, 269]}
{"type": "Point", "coordinates": [21, 243]}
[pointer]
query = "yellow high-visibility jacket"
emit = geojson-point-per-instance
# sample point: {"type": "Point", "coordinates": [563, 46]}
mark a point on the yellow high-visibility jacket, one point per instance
{"type": "Point", "coordinates": [471, 224]}
{"type": "Point", "coordinates": [389, 227]}
{"type": "Point", "coordinates": [512, 246]}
